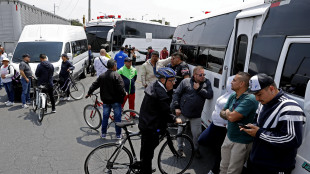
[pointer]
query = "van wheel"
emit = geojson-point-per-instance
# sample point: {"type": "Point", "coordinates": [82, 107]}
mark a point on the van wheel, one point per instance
{"type": "Point", "coordinates": [83, 75]}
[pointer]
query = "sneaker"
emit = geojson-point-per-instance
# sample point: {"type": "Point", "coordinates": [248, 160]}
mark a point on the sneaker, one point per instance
{"type": "Point", "coordinates": [10, 103]}
{"type": "Point", "coordinates": [68, 98]}
{"type": "Point", "coordinates": [197, 154]}
{"type": "Point", "coordinates": [63, 98]}
{"type": "Point", "coordinates": [210, 172]}
{"type": "Point", "coordinates": [53, 110]}
{"type": "Point", "coordinates": [29, 103]}
{"type": "Point", "coordinates": [119, 137]}
{"type": "Point", "coordinates": [25, 106]}
{"type": "Point", "coordinates": [6, 102]}
{"type": "Point", "coordinates": [103, 136]}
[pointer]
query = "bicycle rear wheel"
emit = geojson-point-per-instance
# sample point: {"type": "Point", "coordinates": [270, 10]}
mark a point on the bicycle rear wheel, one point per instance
{"type": "Point", "coordinates": [40, 111]}
{"type": "Point", "coordinates": [77, 90]}
{"type": "Point", "coordinates": [97, 160]}
{"type": "Point", "coordinates": [92, 116]}
{"type": "Point", "coordinates": [34, 104]}
{"type": "Point", "coordinates": [175, 158]}
{"type": "Point", "coordinates": [131, 116]}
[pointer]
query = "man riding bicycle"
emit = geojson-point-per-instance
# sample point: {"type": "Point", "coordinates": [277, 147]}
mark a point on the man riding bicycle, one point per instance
{"type": "Point", "coordinates": [155, 114]}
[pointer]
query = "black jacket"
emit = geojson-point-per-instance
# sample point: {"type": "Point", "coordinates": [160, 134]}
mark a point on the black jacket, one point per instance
{"type": "Point", "coordinates": [64, 69]}
{"type": "Point", "coordinates": [189, 100]}
{"type": "Point", "coordinates": [44, 73]}
{"type": "Point", "coordinates": [111, 87]}
{"type": "Point", "coordinates": [155, 108]}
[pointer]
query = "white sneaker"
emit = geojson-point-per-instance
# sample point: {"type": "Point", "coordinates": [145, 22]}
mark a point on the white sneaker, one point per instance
{"type": "Point", "coordinates": [68, 98]}
{"type": "Point", "coordinates": [6, 102]}
{"type": "Point", "coordinates": [25, 106]}
{"type": "Point", "coordinates": [10, 103]}
{"type": "Point", "coordinates": [210, 172]}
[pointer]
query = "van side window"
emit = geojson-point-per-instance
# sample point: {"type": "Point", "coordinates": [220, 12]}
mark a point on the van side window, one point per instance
{"type": "Point", "coordinates": [240, 54]}
{"type": "Point", "coordinates": [79, 47]}
{"type": "Point", "coordinates": [211, 58]}
{"type": "Point", "coordinates": [296, 71]}
{"type": "Point", "coordinates": [67, 48]}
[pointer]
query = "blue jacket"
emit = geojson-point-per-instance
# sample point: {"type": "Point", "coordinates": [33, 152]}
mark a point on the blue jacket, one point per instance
{"type": "Point", "coordinates": [44, 73]}
{"type": "Point", "coordinates": [64, 69]}
{"type": "Point", "coordinates": [280, 123]}
{"type": "Point", "coordinates": [120, 58]}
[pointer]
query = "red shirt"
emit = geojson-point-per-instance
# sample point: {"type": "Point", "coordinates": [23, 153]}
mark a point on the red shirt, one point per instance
{"type": "Point", "coordinates": [164, 54]}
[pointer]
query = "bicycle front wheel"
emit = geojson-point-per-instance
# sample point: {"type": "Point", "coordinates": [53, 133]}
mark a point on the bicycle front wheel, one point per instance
{"type": "Point", "coordinates": [98, 160]}
{"type": "Point", "coordinates": [40, 111]}
{"type": "Point", "coordinates": [176, 155]}
{"type": "Point", "coordinates": [77, 90]}
{"type": "Point", "coordinates": [92, 116]}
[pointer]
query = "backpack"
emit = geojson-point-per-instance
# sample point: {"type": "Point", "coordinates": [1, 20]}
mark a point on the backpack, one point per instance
{"type": "Point", "coordinates": [16, 76]}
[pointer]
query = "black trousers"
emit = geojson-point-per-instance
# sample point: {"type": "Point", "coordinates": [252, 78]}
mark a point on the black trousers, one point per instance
{"type": "Point", "coordinates": [63, 81]}
{"type": "Point", "coordinates": [149, 141]}
{"type": "Point", "coordinates": [49, 91]}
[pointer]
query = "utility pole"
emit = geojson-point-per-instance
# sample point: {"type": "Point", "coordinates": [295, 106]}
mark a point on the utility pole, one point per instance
{"type": "Point", "coordinates": [89, 11]}
{"type": "Point", "coordinates": [54, 8]}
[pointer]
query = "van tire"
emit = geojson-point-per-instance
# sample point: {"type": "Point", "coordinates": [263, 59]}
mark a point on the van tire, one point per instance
{"type": "Point", "coordinates": [83, 75]}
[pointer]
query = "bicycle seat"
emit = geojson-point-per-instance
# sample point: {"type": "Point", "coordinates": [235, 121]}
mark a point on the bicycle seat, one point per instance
{"type": "Point", "coordinates": [124, 124]}
{"type": "Point", "coordinates": [42, 87]}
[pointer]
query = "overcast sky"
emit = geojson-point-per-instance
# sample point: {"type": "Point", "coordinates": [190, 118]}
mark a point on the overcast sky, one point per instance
{"type": "Point", "coordinates": [174, 11]}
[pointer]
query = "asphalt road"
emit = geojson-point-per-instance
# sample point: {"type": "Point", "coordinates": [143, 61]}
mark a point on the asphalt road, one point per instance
{"type": "Point", "coordinates": [60, 144]}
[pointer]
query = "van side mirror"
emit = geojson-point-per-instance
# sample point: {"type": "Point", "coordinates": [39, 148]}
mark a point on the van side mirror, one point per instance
{"type": "Point", "coordinates": [69, 56]}
{"type": "Point", "coordinates": [10, 56]}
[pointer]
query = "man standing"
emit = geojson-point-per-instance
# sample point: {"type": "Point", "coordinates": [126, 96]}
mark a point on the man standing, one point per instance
{"type": "Point", "coordinates": [26, 75]}
{"type": "Point", "coordinates": [240, 108]}
{"type": "Point", "coordinates": [44, 73]}
{"type": "Point", "coordinates": [129, 75]}
{"type": "Point", "coordinates": [188, 101]}
{"type": "Point", "coordinates": [278, 132]}
{"type": "Point", "coordinates": [180, 67]}
{"type": "Point", "coordinates": [154, 115]}
{"type": "Point", "coordinates": [90, 58]}
{"type": "Point", "coordinates": [149, 68]}
{"type": "Point", "coordinates": [2, 56]}
{"type": "Point", "coordinates": [120, 57]}
{"type": "Point", "coordinates": [148, 53]}
{"type": "Point", "coordinates": [100, 63]}
{"type": "Point", "coordinates": [164, 53]}
{"type": "Point", "coordinates": [112, 94]}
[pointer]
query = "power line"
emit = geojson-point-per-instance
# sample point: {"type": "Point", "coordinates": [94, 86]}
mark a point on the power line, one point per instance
{"type": "Point", "coordinates": [73, 8]}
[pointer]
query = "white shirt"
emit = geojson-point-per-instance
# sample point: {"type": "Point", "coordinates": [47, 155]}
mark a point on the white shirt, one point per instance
{"type": "Point", "coordinates": [99, 67]}
{"type": "Point", "coordinates": [5, 71]}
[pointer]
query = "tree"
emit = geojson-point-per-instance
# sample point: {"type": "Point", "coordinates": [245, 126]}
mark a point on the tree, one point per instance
{"type": "Point", "coordinates": [76, 22]}
{"type": "Point", "coordinates": [160, 21]}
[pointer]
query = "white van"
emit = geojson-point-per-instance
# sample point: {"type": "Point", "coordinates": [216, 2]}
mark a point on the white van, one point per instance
{"type": "Point", "coordinates": [271, 37]}
{"type": "Point", "coordinates": [53, 40]}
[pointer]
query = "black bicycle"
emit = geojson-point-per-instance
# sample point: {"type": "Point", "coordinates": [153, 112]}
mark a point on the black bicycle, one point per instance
{"type": "Point", "coordinates": [116, 158]}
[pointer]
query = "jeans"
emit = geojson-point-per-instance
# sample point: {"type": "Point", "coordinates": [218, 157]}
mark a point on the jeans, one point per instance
{"type": "Point", "coordinates": [9, 90]}
{"type": "Point", "coordinates": [26, 90]}
{"type": "Point", "coordinates": [117, 108]}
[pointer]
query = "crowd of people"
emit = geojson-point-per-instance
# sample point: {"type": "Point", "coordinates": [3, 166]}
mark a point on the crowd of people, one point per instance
{"type": "Point", "coordinates": [253, 122]}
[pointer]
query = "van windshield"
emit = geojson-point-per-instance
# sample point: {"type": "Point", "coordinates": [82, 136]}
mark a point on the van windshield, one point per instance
{"type": "Point", "coordinates": [51, 49]}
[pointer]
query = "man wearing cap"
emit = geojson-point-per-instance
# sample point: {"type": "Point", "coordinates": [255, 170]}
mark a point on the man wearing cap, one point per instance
{"type": "Point", "coordinates": [7, 72]}
{"type": "Point", "coordinates": [100, 63]}
{"type": "Point", "coordinates": [44, 73]}
{"type": "Point", "coordinates": [240, 108]}
{"type": "Point", "coordinates": [66, 66]}
{"type": "Point", "coordinates": [149, 68]}
{"type": "Point", "coordinates": [2, 56]}
{"type": "Point", "coordinates": [120, 57]}
{"type": "Point", "coordinates": [26, 75]}
{"type": "Point", "coordinates": [278, 132]}
{"type": "Point", "coordinates": [148, 53]}
{"type": "Point", "coordinates": [129, 76]}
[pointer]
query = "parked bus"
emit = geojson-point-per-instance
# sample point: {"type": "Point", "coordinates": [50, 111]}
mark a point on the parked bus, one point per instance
{"type": "Point", "coordinates": [110, 34]}
{"type": "Point", "coordinates": [270, 37]}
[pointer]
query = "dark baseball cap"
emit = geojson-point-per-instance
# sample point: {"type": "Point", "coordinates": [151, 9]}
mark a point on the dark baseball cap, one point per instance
{"type": "Point", "coordinates": [26, 55]}
{"type": "Point", "coordinates": [150, 47]}
{"type": "Point", "coordinates": [259, 82]}
{"type": "Point", "coordinates": [64, 55]}
{"type": "Point", "coordinates": [127, 59]}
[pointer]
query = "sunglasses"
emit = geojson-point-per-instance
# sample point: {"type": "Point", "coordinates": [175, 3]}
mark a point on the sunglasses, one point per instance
{"type": "Point", "coordinates": [201, 75]}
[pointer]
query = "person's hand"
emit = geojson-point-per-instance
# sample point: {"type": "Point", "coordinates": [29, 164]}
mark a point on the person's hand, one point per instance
{"type": "Point", "coordinates": [68, 70]}
{"type": "Point", "coordinates": [252, 131]}
{"type": "Point", "coordinates": [196, 85]}
{"type": "Point", "coordinates": [178, 120]}
{"type": "Point", "coordinates": [177, 112]}
{"type": "Point", "coordinates": [3, 76]}
{"type": "Point", "coordinates": [126, 93]}
{"type": "Point", "coordinates": [27, 80]}
{"type": "Point", "coordinates": [86, 96]}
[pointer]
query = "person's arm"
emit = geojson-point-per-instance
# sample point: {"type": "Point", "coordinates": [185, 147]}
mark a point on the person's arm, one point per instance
{"type": "Point", "coordinates": [120, 86]}
{"type": "Point", "coordinates": [96, 66]}
{"type": "Point", "coordinates": [206, 92]}
{"type": "Point", "coordinates": [135, 77]}
{"type": "Point", "coordinates": [11, 72]}
{"type": "Point", "coordinates": [38, 72]}
{"type": "Point", "coordinates": [22, 73]}
{"type": "Point", "coordinates": [143, 52]}
{"type": "Point", "coordinates": [93, 87]}
{"type": "Point", "coordinates": [163, 62]}
{"type": "Point", "coordinates": [176, 98]}
{"type": "Point", "coordinates": [143, 75]}
{"type": "Point", "coordinates": [244, 109]}
{"type": "Point", "coordinates": [71, 67]}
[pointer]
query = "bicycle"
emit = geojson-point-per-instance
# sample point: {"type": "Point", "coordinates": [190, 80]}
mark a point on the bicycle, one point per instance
{"type": "Point", "coordinates": [39, 102]}
{"type": "Point", "coordinates": [119, 159]}
{"type": "Point", "coordinates": [93, 118]}
{"type": "Point", "coordinates": [76, 89]}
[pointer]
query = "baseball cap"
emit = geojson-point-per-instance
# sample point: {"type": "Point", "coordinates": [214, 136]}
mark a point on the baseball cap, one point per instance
{"type": "Point", "coordinates": [5, 59]}
{"type": "Point", "coordinates": [64, 55]}
{"type": "Point", "coordinates": [259, 82]}
{"type": "Point", "coordinates": [149, 47]}
{"type": "Point", "coordinates": [127, 59]}
{"type": "Point", "coordinates": [26, 55]}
